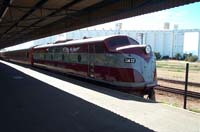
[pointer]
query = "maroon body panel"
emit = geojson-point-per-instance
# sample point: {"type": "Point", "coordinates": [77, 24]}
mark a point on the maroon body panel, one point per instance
{"type": "Point", "coordinates": [100, 72]}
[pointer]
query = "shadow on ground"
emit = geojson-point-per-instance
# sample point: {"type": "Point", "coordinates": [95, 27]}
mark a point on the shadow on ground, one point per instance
{"type": "Point", "coordinates": [31, 105]}
{"type": "Point", "coordinates": [89, 84]}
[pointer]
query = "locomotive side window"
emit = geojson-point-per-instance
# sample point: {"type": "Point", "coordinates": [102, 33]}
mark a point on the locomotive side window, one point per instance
{"type": "Point", "coordinates": [63, 57]}
{"type": "Point", "coordinates": [58, 54]}
{"type": "Point", "coordinates": [50, 54]}
{"type": "Point", "coordinates": [99, 48]}
{"type": "Point", "coordinates": [27, 54]}
{"type": "Point", "coordinates": [79, 58]}
{"type": "Point", "coordinates": [99, 57]}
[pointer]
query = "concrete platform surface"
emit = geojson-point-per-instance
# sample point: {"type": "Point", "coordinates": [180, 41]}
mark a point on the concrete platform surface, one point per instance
{"type": "Point", "coordinates": [36, 100]}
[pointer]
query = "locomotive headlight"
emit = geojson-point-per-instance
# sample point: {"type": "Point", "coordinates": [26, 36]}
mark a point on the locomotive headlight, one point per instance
{"type": "Point", "coordinates": [148, 49]}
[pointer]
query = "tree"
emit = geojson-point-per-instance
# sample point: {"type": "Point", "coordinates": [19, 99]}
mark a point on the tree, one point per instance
{"type": "Point", "coordinates": [157, 54]}
{"type": "Point", "coordinates": [191, 58]}
{"type": "Point", "coordinates": [178, 56]}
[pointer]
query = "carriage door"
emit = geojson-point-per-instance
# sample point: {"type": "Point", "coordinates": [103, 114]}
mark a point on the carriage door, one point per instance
{"type": "Point", "coordinates": [91, 65]}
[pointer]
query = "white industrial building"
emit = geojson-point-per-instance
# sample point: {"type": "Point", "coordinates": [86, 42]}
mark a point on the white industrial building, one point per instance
{"type": "Point", "coordinates": [167, 42]}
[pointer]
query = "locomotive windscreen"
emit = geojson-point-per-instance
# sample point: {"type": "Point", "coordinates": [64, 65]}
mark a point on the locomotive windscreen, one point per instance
{"type": "Point", "coordinates": [117, 42]}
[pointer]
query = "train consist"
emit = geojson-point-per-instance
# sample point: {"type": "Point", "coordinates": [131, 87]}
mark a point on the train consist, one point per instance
{"type": "Point", "coordinates": [116, 60]}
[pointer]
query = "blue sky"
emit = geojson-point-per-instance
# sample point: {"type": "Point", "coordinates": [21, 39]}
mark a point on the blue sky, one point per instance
{"type": "Point", "coordinates": [187, 17]}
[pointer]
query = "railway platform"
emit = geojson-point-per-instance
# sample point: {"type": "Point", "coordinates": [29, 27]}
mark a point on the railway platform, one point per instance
{"type": "Point", "coordinates": [36, 100]}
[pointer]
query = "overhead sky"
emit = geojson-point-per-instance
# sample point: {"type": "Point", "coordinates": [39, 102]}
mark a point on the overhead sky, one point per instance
{"type": "Point", "coordinates": [187, 17]}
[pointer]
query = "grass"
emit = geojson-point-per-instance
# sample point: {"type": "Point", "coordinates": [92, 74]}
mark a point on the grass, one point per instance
{"type": "Point", "coordinates": [180, 65]}
{"type": "Point", "coordinates": [175, 105]}
{"type": "Point", "coordinates": [194, 110]}
{"type": "Point", "coordinates": [176, 70]}
{"type": "Point", "coordinates": [173, 69]}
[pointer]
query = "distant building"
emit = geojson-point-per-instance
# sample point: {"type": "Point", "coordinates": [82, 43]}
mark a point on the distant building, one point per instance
{"type": "Point", "coordinates": [166, 26]}
{"type": "Point", "coordinates": [175, 26]}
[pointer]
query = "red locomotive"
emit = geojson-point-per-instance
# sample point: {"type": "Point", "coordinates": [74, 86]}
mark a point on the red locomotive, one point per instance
{"type": "Point", "coordinates": [116, 60]}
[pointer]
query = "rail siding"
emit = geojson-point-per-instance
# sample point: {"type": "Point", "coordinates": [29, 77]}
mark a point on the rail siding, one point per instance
{"type": "Point", "coordinates": [179, 82]}
{"type": "Point", "coordinates": [178, 91]}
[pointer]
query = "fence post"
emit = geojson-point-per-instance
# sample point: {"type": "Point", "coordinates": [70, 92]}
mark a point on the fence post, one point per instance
{"type": "Point", "coordinates": [186, 84]}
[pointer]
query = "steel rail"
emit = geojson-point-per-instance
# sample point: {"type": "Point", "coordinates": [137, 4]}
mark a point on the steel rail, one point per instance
{"type": "Point", "coordinates": [178, 91]}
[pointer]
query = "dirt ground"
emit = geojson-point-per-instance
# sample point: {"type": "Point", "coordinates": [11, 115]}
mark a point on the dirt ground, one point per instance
{"type": "Point", "coordinates": [178, 100]}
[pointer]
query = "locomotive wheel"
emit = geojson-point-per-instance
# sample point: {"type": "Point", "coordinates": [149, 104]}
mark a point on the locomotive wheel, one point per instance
{"type": "Point", "coordinates": [151, 95]}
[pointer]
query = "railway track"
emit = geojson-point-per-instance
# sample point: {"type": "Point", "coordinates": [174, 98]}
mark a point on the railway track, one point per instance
{"type": "Point", "coordinates": [178, 91]}
{"type": "Point", "coordinates": [179, 82]}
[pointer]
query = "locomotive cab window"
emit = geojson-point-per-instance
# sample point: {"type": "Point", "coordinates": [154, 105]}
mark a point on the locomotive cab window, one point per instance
{"type": "Point", "coordinates": [132, 41]}
{"type": "Point", "coordinates": [117, 42]}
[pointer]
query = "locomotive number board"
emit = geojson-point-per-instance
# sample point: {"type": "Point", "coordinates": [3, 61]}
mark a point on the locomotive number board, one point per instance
{"type": "Point", "coordinates": [129, 60]}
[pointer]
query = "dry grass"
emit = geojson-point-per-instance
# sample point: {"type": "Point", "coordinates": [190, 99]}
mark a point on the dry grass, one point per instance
{"type": "Point", "coordinates": [175, 70]}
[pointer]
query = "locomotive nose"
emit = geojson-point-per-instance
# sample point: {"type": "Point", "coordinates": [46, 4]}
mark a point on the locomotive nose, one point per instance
{"type": "Point", "coordinates": [141, 59]}
{"type": "Point", "coordinates": [143, 69]}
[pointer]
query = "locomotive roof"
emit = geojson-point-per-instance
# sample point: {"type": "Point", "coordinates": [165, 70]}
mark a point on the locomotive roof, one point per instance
{"type": "Point", "coordinates": [81, 41]}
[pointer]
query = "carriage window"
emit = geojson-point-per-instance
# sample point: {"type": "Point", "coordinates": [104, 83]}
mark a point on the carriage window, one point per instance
{"type": "Point", "coordinates": [50, 50]}
{"type": "Point", "coordinates": [116, 42]}
{"type": "Point", "coordinates": [58, 50]}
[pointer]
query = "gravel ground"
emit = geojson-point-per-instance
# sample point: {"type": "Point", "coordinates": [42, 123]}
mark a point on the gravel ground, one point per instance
{"type": "Point", "coordinates": [178, 100]}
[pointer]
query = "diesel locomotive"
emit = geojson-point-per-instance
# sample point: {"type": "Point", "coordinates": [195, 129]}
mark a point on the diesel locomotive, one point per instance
{"type": "Point", "coordinates": [116, 60]}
